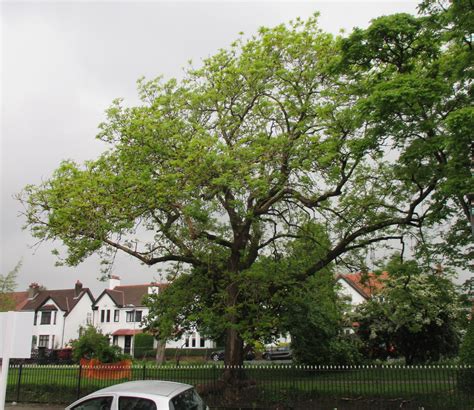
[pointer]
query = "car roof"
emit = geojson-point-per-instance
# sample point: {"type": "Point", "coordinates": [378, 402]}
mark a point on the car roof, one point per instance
{"type": "Point", "coordinates": [153, 387]}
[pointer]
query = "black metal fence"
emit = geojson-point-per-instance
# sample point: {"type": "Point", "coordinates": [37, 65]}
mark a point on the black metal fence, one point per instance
{"type": "Point", "coordinates": [265, 386]}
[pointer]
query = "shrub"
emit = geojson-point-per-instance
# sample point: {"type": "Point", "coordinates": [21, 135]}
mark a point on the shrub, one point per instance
{"type": "Point", "coordinates": [466, 357]}
{"type": "Point", "coordinates": [466, 352]}
{"type": "Point", "coordinates": [92, 344]}
{"type": "Point", "coordinates": [143, 346]}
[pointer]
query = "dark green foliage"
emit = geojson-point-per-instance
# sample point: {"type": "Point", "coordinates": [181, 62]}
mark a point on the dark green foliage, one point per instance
{"type": "Point", "coordinates": [92, 344]}
{"type": "Point", "coordinates": [143, 346]}
{"type": "Point", "coordinates": [466, 357]}
{"type": "Point", "coordinates": [466, 352]}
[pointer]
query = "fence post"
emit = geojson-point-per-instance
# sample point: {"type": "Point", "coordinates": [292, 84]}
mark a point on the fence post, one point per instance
{"type": "Point", "coordinates": [79, 382]}
{"type": "Point", "coordinates": [144, 372]}
{"type": "Point", "coordinates": [19, 383]}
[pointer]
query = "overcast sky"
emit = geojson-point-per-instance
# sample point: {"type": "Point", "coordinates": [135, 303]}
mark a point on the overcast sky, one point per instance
{"type": "Point", "coordinates": [62, 63]}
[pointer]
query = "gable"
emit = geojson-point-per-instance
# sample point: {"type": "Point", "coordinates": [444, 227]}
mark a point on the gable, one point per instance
{"type": "Point", "coordinates": [107, 298]}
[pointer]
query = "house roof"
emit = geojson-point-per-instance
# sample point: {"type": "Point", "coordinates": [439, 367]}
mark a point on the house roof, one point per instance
{"type": "Point", "coordinates": [65, 299]}
{"type": "Point", "coordinates": [367, 284]}
{"type": "Point", "coordinates": [129, 294]}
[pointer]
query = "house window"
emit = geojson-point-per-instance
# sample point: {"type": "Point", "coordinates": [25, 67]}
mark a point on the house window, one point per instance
{"type": "Point", "coordinates": [202, 342]}
{"type": "Point", "coordinates": [186, 342]}
{"type": "Point", "coordinates": [193, 341]}
{"type": "Point", "coordinates": [138, 316]}
{"type": "Point", "coordinates": [116, 315]}
{"type": "Point", "coordinates": [43, 341]}
{"type": "Point", "coordinates": [52, 341]}
{"type": "Point", "coordinates": [130, 315]}
{"type": "Point", "coordinates": [36, 319]}
{"type": "Point", "coordinates": [45, 318]}
{"type": "Point", "coordinates": [102, 316]}
{"type": "Point", "coordinates": [115, 340]}
{"type": "Point", "coordinates": [134, 316]}
{"type": "Point", "coordinates": [89, 318]}
{"type": "Point", "coordinates": [108, 315]}
{"type": "Point", "coordinates": [55, 316]}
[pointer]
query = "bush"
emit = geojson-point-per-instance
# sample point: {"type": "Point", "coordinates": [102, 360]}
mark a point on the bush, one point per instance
{"type": "Point", "coordinates": [466, 357]}
{"type": "Point", "coordinates": [144, 346]}
{"type": "Point", "coordinates": [346, 351]}
{"type": "Point", "coordinates": [466, 352]}
{"type": "Point", "coordinates": [92, 344]}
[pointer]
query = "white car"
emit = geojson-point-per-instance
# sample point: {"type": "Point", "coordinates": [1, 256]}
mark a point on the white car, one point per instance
{"type": "Point", "coordinates": [142, 395]}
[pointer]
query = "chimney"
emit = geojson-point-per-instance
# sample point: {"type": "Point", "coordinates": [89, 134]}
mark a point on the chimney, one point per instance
{"type": "Point", "coordinates": [114, 281]}
{"type": "Point", "coordinates": [77, 289]}
{"type": "Point", "coordinates": [33, 290]}
{"type": "Point", "coordinates": [153, 288]}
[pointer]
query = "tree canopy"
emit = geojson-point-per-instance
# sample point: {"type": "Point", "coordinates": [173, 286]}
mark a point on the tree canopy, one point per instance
{"type": "Point", "coordinates": [213, 175]}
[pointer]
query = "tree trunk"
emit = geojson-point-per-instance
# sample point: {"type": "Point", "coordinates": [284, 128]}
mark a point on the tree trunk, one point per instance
{"type": "Point", "coordinates": [234, 357]}
{"type": "Point", "coordinates": [160, 351]}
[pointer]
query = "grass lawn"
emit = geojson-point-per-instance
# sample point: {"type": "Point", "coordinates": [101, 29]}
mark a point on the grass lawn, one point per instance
{"type": "Point", "coordinates": [274, 383]}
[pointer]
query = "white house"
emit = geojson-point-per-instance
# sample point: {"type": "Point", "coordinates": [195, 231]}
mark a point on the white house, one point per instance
{"type": "Point", "coordinates": [119, 310]}
{"type": "Point", "coordinates": [58, 314]}
{"type": "Point", "coordinates": [359, 287]}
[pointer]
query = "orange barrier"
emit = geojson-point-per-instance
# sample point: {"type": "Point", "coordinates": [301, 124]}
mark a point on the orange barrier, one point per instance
{"type": "Point", "coordinates": [94, 369]}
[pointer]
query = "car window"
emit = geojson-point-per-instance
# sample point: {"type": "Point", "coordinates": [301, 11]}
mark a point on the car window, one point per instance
{"type": "Point", "coordinates": [188, 400]}
{"type": "Point", "coordinates": [97, 403]}
{"type": "Point", "coordinates": [136, 403]}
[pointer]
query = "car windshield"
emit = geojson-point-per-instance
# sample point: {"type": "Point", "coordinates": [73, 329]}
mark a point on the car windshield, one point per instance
{"type": "Point", "coordinates": [188, 400]}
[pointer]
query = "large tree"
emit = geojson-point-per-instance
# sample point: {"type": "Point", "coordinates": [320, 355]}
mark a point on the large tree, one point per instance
{"type": "Point", "coordinates": [212, 174]}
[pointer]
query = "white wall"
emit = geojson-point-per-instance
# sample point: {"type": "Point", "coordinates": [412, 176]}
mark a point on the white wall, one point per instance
{"type": "Point", "coordinates": [355, 298]}
{"type": "Point", "coordinates": [181, 343]}
{"type": "Point", "coordinates": [106, 303]}
{"type": "Point", "coordinates": [51, 329]}
{"type": "Point", "coordinates": [77, 317]}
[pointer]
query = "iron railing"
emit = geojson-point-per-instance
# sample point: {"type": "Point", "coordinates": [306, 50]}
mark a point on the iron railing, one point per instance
{"type": "Point", "coordinates": [264, 386]}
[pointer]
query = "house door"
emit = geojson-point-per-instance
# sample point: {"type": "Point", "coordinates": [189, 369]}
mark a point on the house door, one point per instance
{"type": "Point", "coordinates": [128, 344]}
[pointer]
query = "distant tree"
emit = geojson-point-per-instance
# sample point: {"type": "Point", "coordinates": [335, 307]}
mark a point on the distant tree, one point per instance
{"type": "Point", "coordinates": [92, 344]}
{"type": "Point", "coordinates": [8, 285]}
{"type": "Point", "coordinates": [418, 314]}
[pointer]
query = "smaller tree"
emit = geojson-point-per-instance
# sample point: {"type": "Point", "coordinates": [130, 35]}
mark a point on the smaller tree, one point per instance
{"type": "Point", "coordinates": [92, 344]}
{"type": "Point", "coordinates": [8, 285]}
{"type": "Point", "coordinates": [418, 314]}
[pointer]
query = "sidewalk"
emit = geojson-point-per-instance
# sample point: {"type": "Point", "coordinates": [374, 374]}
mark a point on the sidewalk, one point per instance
{"type": "Point", "coordinates": [27, 406]}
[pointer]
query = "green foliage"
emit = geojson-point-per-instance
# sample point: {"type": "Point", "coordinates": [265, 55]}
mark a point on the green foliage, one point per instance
{"type": "Point", "coordinates": [466, 356]}
{"type": "Point", "coordinates": [416, 314]}
{"type": "Point", "coordinates": [466, 352]}
{"type": "Point", "coordinates": [7, 285]}
{"type": "Point", "coordinates": [214, 176]}
{"type": "Point", "coordinates": [143, 346]}
{"type": "Point", "coordinates": [92, 344]}
{"type": "Point", "coordinates": [414, 82]}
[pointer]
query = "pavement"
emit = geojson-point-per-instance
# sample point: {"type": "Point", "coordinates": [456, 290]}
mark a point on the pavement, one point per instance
{"type": "Point", "coordinates": [25, 406]}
